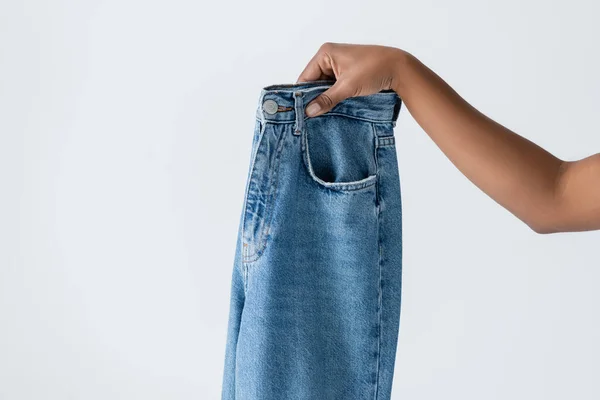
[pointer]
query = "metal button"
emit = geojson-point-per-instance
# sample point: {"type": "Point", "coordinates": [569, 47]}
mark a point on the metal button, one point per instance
{"type": "Point", "coordinates": [270, 106]}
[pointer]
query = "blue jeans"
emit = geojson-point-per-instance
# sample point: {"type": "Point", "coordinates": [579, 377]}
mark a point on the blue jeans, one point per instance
{"type": "Point", "coordinates": [315, 295]}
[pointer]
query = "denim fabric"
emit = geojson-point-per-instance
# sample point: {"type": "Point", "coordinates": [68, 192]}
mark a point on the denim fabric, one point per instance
{"type": "Point", "coordinates": [315, 295]}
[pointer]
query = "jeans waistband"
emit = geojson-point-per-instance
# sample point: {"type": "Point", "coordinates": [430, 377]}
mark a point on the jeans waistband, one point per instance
{"type": "Point", "coordinates": [286, 103]}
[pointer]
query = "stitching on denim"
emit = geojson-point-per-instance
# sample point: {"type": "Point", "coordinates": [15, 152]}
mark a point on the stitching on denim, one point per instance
{"type": "Point", "coordinates": [379, 304]}
{"type": "Point", "coordinates": [287, 88]}
{"type": "Point", "coordinates": [338, 186]}
{"type": "Point", "coordinates": [261, 243]}
{"type": "Point", "coordinates": [379, 201]}
{"type": "Point", "coordinates": [245, 277]}
{"type": "Point", "coordinates": [251, 171]}
{"type": "Point", "coordinates": [271, 121]}
{"type": "Point", "coordinates": [375, 147]}
{"type": "Point", "coordinates": [291, 89]}
{"type": "Point", "coordinates": [262, 127]}
{"type": "Point", "coordinates": [338, 114]}
{"type": "Point", "coordinates": [385, 141]}
{"type": "Point", "coordinates": [299, 115]}
{"type": "Point", "coordinates": [264, 237]}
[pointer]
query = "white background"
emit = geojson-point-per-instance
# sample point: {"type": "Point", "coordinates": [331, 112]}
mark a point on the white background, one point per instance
{"type": "Point", "coordinates": [125, 132]}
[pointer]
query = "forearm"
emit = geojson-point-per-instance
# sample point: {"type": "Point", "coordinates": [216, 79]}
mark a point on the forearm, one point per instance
{"type": "Point", "coordinates": [513, 171]}
{"type": "Point", "coordinates": [549, 194]}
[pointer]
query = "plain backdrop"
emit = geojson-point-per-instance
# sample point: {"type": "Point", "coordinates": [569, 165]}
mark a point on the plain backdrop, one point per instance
{"type": "Point", "coordinates": [125, 133]}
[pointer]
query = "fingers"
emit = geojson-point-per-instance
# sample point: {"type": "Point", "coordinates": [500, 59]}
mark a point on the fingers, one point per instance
{"type": "Point", "coordinates": [319, 67]}
{"type": "Point", "coordinates": [312, 72]}
{"type": "Point", "coordinates": [328, 99]}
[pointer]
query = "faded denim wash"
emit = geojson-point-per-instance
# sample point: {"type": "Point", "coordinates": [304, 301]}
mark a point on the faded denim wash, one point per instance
{"type": "Point", "coordinates": [315, 294]}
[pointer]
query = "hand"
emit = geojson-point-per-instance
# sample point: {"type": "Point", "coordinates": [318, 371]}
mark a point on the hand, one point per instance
{"type": "Point", "coordinates": [549, 194]}
{"type": "Point", "coordinates": [359, 70]}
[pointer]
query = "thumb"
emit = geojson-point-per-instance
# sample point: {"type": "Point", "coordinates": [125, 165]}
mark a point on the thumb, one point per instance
{"type": "Point", "coordinates": [328, 99]}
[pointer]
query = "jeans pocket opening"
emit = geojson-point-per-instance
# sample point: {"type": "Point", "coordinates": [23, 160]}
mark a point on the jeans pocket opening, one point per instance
{"type": "Point", "coordinates": [361, 131]}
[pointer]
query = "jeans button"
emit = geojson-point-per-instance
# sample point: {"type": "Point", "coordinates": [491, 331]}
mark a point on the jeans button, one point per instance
{"type": "Point", "coordinates": [270, 106]}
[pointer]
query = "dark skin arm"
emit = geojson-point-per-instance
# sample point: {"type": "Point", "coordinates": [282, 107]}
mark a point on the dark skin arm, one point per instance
{"type": "Point", "coordinates": [547, 193]}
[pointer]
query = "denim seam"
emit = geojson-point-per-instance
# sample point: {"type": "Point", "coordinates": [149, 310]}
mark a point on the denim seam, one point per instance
{"type": "Point", "coordinates": [375, 147]}
{"type": "Point", "coordinates": [330, 113]}
{"type": "Point", "coordinates": [264, 235]}
{"type": "Point", "coordinates": [379, 303]}
{"type": "Point", "coordinates": [380, 250]}
{"type": "Point", "coordinates": [341, 114]}
{"type": "Point", "coordinates": [337, 186]}
{"type": "Point", "coordinates": [252, 161]}
{"type": "Point", "coordinates": [270, 121]}
{"type": "Point", "coordinates": [245, 205]}
{"type": "Point", "coordinates": [245, 278]}
{"type": "Point", "coordinates": [290, 88]}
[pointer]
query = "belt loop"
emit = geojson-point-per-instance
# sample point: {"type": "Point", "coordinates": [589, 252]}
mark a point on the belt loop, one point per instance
{"type": "Point", "coordinates": [299, 109]}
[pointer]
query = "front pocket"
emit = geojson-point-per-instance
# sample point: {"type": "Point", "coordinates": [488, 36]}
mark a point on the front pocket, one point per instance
{"type": "Point", "coordinates": [339, 152]}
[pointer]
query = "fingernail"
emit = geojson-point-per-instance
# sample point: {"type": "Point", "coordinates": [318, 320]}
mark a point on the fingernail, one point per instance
{"type": "Point", "coordinates": [313, 109]}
